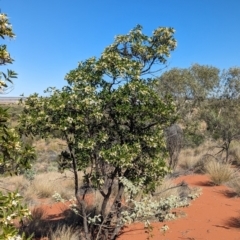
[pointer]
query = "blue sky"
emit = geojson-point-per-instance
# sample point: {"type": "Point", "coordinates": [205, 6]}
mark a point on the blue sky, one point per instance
{"type": "Point", "coordinates": [54, 35]}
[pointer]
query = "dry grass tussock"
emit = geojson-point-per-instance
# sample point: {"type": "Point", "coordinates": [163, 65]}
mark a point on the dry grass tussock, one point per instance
{"type": "Point", "coordinates": [49, 145]}
{"type": "Point", "coordinates": [64, 233]}
{"type": "Point", "coordinates": [234, 153]}
{"type": "Point", "coordinates": [45, 185]}
{"type": "Point", "coordinates": [234, 184]}
{"type": "Point", "coordinates": [220, 173]}
{"type": "Point", "coordinates": [195, 159]}
{"type": "Point", "coordinates": [188, 160]}
{"type": "Point", "coordinates": [13, 183]}
{"type": "Point", "coordinates": [47, 154]}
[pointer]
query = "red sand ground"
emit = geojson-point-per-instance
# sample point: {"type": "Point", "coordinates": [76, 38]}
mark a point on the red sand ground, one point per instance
{"type": "Point", "coordinates": [215, 215]}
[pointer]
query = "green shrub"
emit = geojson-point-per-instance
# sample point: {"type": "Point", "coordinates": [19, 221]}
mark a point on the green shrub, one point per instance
{"type": "Point", "coordinates": [11, 209]}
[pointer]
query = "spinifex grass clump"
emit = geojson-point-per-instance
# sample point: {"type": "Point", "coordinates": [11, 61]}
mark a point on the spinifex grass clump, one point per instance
{"type": "Point", "coordinates": [220, 173]}
{"type": "Point", "coordinates": [234, 184]}
{"type": "Point", "coordinates": [64, 233]}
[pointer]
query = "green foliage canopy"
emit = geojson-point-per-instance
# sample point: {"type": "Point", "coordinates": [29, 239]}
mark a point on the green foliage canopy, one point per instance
{"type": "Point", "coordinates": [205, 94]}
{"type": "Point", "coordinates": [108, 114]}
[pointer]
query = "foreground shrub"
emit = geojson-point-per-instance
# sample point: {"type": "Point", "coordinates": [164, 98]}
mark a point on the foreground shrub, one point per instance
{"type": "Point", "coordinates": [11, 209]}
{"type": "Point", "coordinates": [148, 208]}
{"type": "Point", "coordinates": [14, 154]}
{"type": "Point", "coordinates": [112, 121]}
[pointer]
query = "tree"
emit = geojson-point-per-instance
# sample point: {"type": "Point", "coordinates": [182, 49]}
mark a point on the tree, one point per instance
{"type": "Point", "coordinates": [205, 94]}
{"type": "Point", "coordinates": [112, 121]}
{"type": "Point", "coordinates": [190, 87]}
{"type": "Point", "coordinates": [14, 155]}
{"type": "Point", "coordinates": [222, 113]}
{"type": "Point", "coordinates": [174, 140]}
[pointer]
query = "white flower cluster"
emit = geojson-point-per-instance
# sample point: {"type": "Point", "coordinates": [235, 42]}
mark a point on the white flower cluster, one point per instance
{"type": "Point", "coordinates": [17, 237]}
{"type": "Point", "coordinates": [57, 197]}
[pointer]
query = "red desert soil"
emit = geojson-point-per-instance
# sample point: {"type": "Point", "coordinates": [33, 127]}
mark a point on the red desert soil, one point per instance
{"type": "Point", "coordinates": [215, 215]}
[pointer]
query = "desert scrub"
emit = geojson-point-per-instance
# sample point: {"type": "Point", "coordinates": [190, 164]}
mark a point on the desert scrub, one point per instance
{"type": "Point", "coordinates": [234, 153]}
{"type": "Point", "coordinates": [195, 193]}
{"type": "Point", "coordinates": [234, 184]}
{"type": "Point", "coordinates": [13, 183]}
{"type": "Point", "coordinates": [148, 209]}
{"type": "Point", "coordinates": [193, 159]}
{"type": "Point", "coordinates": [29, 174]}
{"type": "Point", "coordinates": [189, 163]}
{"type": "Point", "coordinates": [220, 173]}
{"type": "Point", "coordinates": [44, 185]}
{"type": "Point", "coordinates": [188, 159]}
{"type": "Point", "coordinates": [47, 154]}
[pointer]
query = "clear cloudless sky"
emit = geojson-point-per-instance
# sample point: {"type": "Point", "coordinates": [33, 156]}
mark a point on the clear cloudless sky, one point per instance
{"type": "Point", "coordinates": [54, 35]}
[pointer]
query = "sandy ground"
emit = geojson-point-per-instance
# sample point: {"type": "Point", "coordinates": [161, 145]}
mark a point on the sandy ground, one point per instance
{"type": "Point", "coordinates": [215, 215]}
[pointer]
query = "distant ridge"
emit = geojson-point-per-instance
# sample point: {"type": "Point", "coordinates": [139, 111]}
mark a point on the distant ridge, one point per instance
{"type": "Point", "coordinates": [6, 100]}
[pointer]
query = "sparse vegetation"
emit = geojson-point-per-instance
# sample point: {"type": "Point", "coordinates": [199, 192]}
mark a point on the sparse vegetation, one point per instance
{"type": "Point", "coordinates": [41, 186]}
{"type": "Point", "coordinates": [43, 181]}
{"type": "Point", "coordinates": [116, 138]}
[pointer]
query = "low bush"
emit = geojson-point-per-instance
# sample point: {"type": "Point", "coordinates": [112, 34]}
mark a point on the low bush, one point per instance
{"type": "Point", "coordinates": [195, 159]}
{"type": "Point", "coordinates": [203, 161]}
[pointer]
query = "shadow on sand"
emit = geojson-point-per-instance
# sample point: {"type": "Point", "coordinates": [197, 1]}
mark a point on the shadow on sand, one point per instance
{"type": "Point", "coordinates": [41, 225]}
{"type": "Point", "coordinates": [233, 222]}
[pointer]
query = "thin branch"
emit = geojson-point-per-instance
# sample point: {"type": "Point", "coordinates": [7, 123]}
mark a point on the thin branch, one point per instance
{"type": "Point", "coordinates": [181, 184]}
